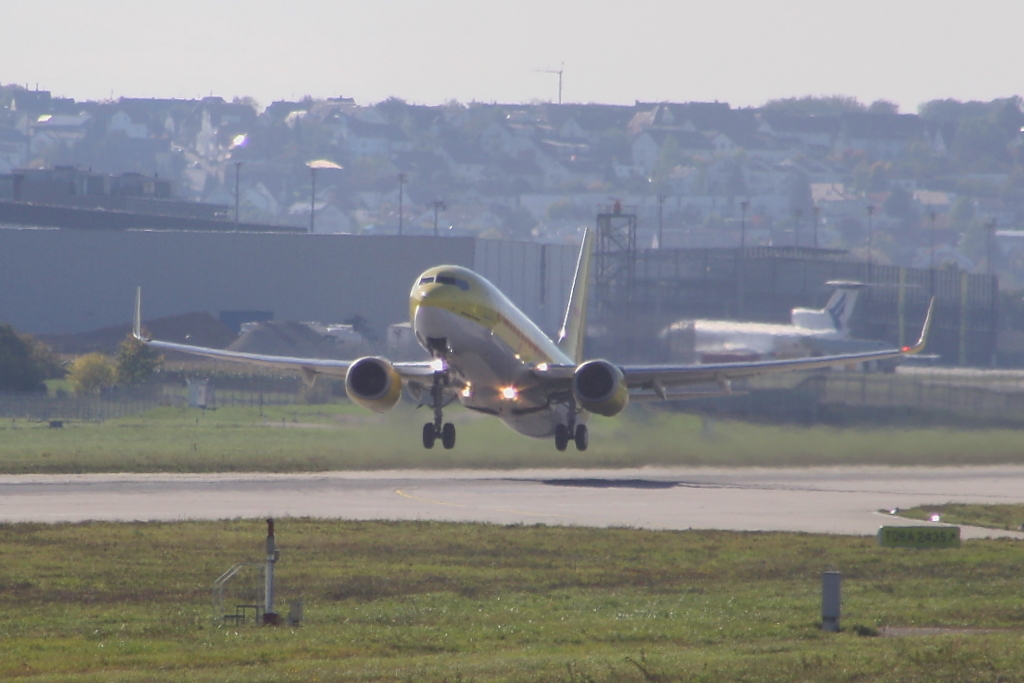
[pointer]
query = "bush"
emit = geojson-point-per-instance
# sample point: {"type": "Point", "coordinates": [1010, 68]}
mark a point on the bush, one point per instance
{"type": "Point", "coordinates": [91, 373]}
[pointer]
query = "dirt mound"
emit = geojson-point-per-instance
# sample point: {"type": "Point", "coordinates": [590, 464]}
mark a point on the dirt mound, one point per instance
{"type": "Point", "coordinates": [198, 329]}
{"type": "Point", "coordinates": [286, 338]}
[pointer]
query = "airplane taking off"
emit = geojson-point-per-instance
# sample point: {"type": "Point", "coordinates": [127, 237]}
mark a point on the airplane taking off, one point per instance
{"type": "Point", "coordinates": [810, 330]}
{"type": "Point", "coordinates": [493, 359]}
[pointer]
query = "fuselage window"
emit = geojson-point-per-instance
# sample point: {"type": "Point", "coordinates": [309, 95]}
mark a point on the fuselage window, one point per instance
{"type": "Point", "coordinates": [426, 280]}
{"type": "Point", "coordinates": [449, 280]}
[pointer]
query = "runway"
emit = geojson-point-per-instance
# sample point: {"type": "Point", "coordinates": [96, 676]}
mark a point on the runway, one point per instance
{"type": "Point", "coordinates": [840, 500]}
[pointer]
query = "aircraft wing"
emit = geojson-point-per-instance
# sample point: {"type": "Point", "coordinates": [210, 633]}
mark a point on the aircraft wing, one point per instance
{"type": "Point", "coordinates": [308, 367]}
{"type": "Point", "coordinates": [659, 378]}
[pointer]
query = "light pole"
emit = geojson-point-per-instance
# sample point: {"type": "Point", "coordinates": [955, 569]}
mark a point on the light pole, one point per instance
{"type": "Point", "coordinates": [816, 210]}
{"type": "Point", "coordinates": [871, 232]}
{"type": "Point", "coordinates": [991, 241]}
{"type": "Point", "coordinates": [931, 266]}
{"type": "Point", "coordinates": [401, 192]}
{"type": "Point", "coordinates": [797, 214]}
{"type": "Point", "coordinates": [238, 172]}
{"type": "Point", "coordinates": [661, 207]}
{"type": "Point", "coordinates": [315, 166]}
{"type": "Point", "coordinates": [743, 224]}
{"type": "Point", "coordinates": [438, 206]}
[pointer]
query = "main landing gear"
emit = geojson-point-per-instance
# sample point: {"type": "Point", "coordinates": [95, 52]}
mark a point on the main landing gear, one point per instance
{"type": "Point", "coordinates": [579, 434]}
{"type": "Point", "coordinates": [438, 428]}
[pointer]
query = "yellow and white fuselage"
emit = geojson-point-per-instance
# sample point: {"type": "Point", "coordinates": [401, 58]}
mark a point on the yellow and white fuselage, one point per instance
{"type": "Point", "coordinates": [491, 348]}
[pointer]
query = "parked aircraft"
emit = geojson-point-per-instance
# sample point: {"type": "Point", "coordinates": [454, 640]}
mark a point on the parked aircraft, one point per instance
{"type": "Point", "coordinates": [810, 331]}
{"type": "Point", "coordinates": [493, 359]}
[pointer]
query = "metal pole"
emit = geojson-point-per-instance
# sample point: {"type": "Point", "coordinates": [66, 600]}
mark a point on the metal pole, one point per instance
{"type": "Point", "coordinates": [871, 232]}
{"type": "Point", "coordinates": [991, 240]}
{"type": "Point", "coordinates": [816, 210]}
{"type": "Point", "coordinates": [312, 203]}
{"type": "Point", "coordinates": [743, 224]}
{"type": "Point", "coordinates": [797, 214]}
{"type": "Point", "coordinates": [438, 206]}
{"type": "Point", "coordinates": [269, 616]}
{"type": "Point", "coordinates": [661, 206]}
{"type": "Point", "coordinates": [238, 172]}
{"type": "Point", "coordinates": [931, 266]}
{"type": "Point", "coordinates": [401, 192]}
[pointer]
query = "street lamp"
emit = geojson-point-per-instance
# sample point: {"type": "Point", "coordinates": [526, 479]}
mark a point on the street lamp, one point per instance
{"type": "Point", "coordinates": [991, 225]}
{"type": "Point", "coordinates": [238, 172]}
{"type": "Point", "coordinates": [661, 207]}
{"type": "Point", "coordinates": [797, 214]}
{"type": "Point", "coordinates": [871, 232]}
{"type": "Point", "coordinates": [931, 266]}
{"type": "Point", "coordinates": [743, 224]}
{"type": "Point", "coordinates": [438, 206]}
{"type": "Point", "coordinates": [315, 166]}
{"type": "Point", "coordinates": [401, 191]}
{"type": "Point", "coordinates": [816, 210]}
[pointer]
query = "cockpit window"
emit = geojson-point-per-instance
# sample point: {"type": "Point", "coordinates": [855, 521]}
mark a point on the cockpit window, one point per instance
{"type": "Point", "coordinates": [426, 280]}
{"type": "Point", "coordinates": [449, 280]}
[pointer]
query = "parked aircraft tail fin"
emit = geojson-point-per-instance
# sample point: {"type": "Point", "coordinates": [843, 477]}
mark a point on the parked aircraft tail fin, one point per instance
{"type": "Point", "coordinates": [837, 312]}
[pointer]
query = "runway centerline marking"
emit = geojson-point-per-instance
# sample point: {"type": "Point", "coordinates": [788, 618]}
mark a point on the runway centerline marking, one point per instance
{"type": "Point", "coordinates": [463, 505]}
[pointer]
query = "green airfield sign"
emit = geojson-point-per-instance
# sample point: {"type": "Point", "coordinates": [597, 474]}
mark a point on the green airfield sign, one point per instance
{"type": "Point", "coordinates": [919, 536]}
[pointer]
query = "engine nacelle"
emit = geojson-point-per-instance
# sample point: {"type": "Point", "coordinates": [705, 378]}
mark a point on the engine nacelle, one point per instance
{"type": "Point", "coordinates": [600, 387]}
{"type": "Point", "coordinates": [374, 384]}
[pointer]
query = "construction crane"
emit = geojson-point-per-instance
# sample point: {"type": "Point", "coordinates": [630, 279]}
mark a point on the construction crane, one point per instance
{"type": "Point", "coordinates": [558, 71]}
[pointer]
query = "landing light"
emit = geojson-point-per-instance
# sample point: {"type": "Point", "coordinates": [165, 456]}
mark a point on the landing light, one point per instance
{"type": "Point", "coordinates": [509, 393]}
{"type": "Point", "coordinates": [437, 365]}
{"type": "Point", "coordinates": [542, 367]}
{"type": "Point", "coordinates": [467, 391]}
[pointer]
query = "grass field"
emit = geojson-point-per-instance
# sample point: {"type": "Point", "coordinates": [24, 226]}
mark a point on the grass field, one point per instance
{"type": "Point", "coordinates": [344, 437]}
{"type": "Point", "coordinates": [448, 602]}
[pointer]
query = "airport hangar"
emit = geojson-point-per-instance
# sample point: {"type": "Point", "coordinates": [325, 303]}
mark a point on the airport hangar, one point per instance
{"type": "Point", "coordinates": [71, 280]}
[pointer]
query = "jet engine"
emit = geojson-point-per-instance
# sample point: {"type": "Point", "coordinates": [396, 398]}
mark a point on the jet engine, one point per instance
{"type": "Point", "coordinates": [600, 388]}
{"type": "Point", "coordinates": [374, 384]}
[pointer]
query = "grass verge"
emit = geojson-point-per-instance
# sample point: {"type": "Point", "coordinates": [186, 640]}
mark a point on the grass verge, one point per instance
{"type": "Point", "coordinates": [344, 437]}
{"type": "Point", "coordinates": [449, 602]}
{"type": "Point", "coordinates": [989, 516]}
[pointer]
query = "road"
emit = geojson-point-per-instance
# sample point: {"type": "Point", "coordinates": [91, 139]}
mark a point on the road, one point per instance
{"type": "Point", "coordinates": [841, 500]}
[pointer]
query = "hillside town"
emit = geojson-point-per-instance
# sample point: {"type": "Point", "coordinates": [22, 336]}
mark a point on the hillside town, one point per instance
{"type": "Point", "coordinates": [940, 188]}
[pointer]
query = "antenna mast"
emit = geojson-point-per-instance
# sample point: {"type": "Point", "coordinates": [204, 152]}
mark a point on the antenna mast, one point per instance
{"type": "Point", "coordinates": [558, 71]}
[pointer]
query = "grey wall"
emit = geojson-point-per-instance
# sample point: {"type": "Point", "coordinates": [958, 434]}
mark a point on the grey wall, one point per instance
{"type": "Point", "coordinates": [54, 281]}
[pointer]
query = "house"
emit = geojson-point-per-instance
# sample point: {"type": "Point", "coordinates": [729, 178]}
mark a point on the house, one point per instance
{"type": "Point", "coordinates": [879, 136]}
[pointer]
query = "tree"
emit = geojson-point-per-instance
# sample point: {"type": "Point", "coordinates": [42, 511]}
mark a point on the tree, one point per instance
{"type": "Point", "coordinates": [135, 362]}
{"type": "Point", "coordinates": [832, 105]}
{"type": "Point", "coordinates": [899, 204]}
{"type": "Point", "coordinates": [18, 370]}
{"type": "Point", "coordinates": [883, 107]}
{"type": "Point", "coordinates": [91, 373]}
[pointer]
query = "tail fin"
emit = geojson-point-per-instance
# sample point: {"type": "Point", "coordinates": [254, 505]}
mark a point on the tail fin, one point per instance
{"type": "Point", "coordinates": [840, 306]}
{"type": "Point", "coordinates": [574, 326]}
{"type": "Point", "coordinates": [837, 312]}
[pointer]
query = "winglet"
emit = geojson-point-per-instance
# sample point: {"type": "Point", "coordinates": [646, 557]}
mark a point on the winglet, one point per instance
{"type": "Point", "coordinates": [574, 326]}
{"type": "Point", "coordinates": [919, 346]}
{"type": "Point", "coordinates": [137, 325]}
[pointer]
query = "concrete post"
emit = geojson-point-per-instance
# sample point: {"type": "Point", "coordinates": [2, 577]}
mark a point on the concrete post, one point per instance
{"type": "Point", "coordinates": [830, 601]}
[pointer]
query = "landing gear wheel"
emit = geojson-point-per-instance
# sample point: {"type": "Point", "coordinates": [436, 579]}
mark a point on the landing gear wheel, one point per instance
{"type": "Point", "coordinates": [582, 437]}
{"type": "Point", "coordinates": [429, 435]}
{"type": "Point", "coordinates": [448, 435]}
{"type": "Point", "coordinates": [561, 437]}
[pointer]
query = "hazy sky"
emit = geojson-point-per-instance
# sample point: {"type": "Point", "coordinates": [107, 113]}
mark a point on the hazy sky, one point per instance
{"type": "Point", "coordinates": [744, 52]}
